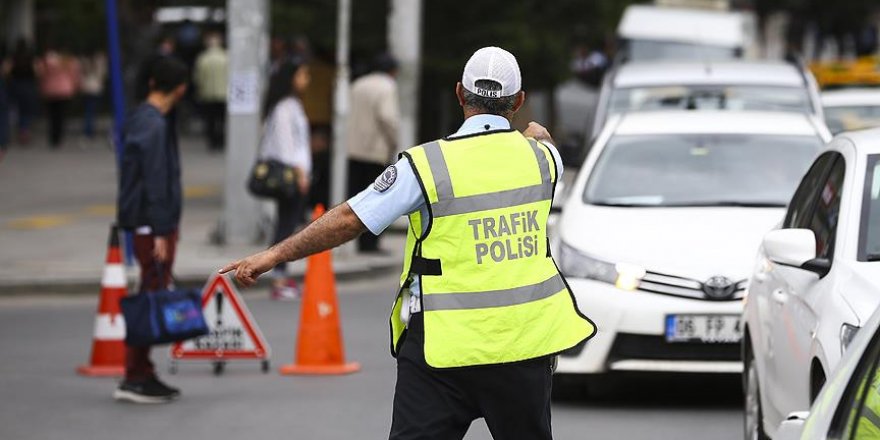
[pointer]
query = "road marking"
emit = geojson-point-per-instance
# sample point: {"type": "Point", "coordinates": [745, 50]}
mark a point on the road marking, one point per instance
{"type": "Point", "coordinates": [101, 209]}
{"type": "Point", "coordinates": [200, 191]}
{"type": "Point", "coordinates": [40, 222]}
{"type": "Point", "coordinates": [49, 221]}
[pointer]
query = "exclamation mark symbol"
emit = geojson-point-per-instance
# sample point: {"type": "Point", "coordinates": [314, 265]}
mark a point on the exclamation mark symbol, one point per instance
{"type": "Point", "coordinates": [219, 302]}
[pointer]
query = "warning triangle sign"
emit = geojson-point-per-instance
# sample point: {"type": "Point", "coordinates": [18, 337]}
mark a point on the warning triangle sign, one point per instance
{"type": "Point", "coordinates": [233, 332]}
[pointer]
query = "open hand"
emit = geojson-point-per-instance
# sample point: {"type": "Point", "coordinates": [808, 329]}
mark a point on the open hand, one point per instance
{"type": "Point", "coordinates": [538, 132]}
{"type": "Point", "coordinates": [249, 269]}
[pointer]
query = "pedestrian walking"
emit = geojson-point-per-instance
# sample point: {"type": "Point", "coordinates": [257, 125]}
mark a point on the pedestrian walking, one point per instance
{"type": "Point", "coordinates": [482, 308]}
{"type": "Point", "coordinates": [59, 75]}
{"type": "Point", "coordinates": [149, 204]}
{"type": "Point", "coordinates": [211, 73]}
{"type": "Point", "coordinates": [371, 135]}
{"type": "Point", "coordinates": [286, 140]}
{"type": "Point", "coordinates": [22, 88]}
{"type": "Point", "coordinates": [94, 75]}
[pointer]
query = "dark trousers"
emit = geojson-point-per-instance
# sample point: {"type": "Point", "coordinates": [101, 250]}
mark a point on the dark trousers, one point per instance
{"type": "Point", "coordinates": [214, 114]}
{"type": "Point", "coordinates": [289, 217]}
{"type": "Point", "coordinates": [90, 110]}
{"type": "Point", "coordinates": [23, 99]}
{"type": "Point", "coordinates": [360, 176]}
{"type": "Point", "coordinates": [56, 109]}
{"type": "Point", "coordinates": [154, 276]}
{"type": "Point", "coordinates": [440, 404]}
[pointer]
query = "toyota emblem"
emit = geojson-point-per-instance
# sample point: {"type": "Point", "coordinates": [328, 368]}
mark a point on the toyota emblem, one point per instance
{"type": "Point", "coordinates": [719, 287]}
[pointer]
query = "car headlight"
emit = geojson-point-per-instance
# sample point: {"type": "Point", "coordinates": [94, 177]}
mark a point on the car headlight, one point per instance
{"type": "Point", "coordinates": [847, 334]}
{"type": "Point", "coordinates": [576, 264]}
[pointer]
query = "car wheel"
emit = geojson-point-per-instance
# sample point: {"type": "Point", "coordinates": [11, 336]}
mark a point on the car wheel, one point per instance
{"type": "Point", "coordinates": [817, 380]}
{"type": "Point", "coordinates": [754, 417]}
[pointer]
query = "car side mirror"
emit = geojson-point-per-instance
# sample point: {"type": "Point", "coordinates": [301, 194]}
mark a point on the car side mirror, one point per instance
{"type": "Point", "coordinates": [795, 248]}
{"type": "Point", "coordinates": [792, 427]}
{"type": "Point", "coordinates": [790, 247]}
{"type": "Point", "coordinates": [819, 266]}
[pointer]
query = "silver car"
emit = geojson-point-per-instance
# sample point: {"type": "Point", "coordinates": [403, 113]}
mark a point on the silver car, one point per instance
{"type": "Point", "coordinates": [728, 85]}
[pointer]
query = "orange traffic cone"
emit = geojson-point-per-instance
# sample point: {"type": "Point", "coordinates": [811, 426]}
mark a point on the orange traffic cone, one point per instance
{"type": "Point", "coordinates": [319, 342]}
{"type": "Point", "coordinates": [108, 346]}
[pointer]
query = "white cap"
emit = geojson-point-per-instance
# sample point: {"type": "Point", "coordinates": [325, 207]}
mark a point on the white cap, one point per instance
{"type": "Point", "coordinates": [493, 64]}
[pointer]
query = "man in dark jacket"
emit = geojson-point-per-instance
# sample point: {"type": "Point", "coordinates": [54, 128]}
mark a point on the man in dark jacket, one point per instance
{"type": "Point", "coordinates": [149, 204]}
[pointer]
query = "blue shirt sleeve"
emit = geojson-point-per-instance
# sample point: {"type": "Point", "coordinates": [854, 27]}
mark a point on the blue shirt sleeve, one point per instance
{"type": "Point", "coordinates": [378, 208]}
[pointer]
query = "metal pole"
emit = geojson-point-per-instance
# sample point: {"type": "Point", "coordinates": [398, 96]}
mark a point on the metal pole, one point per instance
{"type": "Point", "coordinates": [116, 89]}
{"type": "Point", "coordinates": [339, 164]}
{"type": "Point", "coordinates": [248, 53]}
{"type": "Point", "coordinates": [339, 177]}
{"type": "Point", "coordinates": [405, 41]}
{"type": "Point", "coordinates": [117, 95]}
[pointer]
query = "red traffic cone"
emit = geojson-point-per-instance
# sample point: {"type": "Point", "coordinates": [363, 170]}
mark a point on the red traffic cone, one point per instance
{"type": "Point", "coordinates": [319, 348]}
{"type": "Point", "coordinates": [108, 345]}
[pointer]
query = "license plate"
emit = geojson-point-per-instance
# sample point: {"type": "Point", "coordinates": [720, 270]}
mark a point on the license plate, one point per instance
{"type": "Point", "coordinates": [709, 329]}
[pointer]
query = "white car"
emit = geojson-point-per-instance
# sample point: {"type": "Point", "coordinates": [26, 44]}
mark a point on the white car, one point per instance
{"type": "Point", "coordinates": [851, 109]}
{"type": "Point", "coordinates": [648, 32]}
{"type": "Point", "coordinates": [816, 281]}
{"type": "Point", "coordinates": [732, 85]}
{"type": "Point", "coordinates": [845, 408]}
{"type": "Point", "coordinates": [659, 229]}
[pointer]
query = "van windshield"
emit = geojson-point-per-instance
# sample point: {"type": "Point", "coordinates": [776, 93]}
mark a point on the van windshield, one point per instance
{"type": "Point", "coordinates": [716, 97]}
{"type": "Point", "coordinates": [649, 50]}
{"type": "Point", "coordinates": [700, 170]}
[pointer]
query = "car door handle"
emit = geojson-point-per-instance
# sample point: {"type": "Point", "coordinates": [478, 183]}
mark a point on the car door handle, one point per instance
{"type": "Point", "coordinates": [779, 296]}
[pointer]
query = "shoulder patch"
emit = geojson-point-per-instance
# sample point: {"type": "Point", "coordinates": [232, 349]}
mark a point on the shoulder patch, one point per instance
{"type": "Point", "coordinates": [386, 179]}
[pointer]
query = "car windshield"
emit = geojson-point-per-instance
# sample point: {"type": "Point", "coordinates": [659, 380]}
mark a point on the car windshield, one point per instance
{"type": "Point", "coordinates": [646, 50]}
{"type": "Point", "coordinates": [852, 117]}
{"type": "Point", "coordinates": [723, 97]}
{"type": "Point", "coordinates": [700, 170]}
{"type": "Point", "coordinates": [870, 235]}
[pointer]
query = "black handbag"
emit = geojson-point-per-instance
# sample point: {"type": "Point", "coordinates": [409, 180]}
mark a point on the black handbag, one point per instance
{"type": "Point", "coordinates": [273, 180]}
{"type": "Point", "coordinates": [163, 316]}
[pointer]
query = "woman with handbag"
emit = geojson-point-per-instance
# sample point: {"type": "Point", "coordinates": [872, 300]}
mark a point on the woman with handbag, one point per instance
{"type": "Point", "coordinates": [285, 150]}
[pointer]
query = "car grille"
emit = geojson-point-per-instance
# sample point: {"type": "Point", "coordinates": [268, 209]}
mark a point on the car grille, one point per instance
{"type": "Point", "coordinates": [685, 287]}
{"type": "Point", "coordinates": [633, 346]}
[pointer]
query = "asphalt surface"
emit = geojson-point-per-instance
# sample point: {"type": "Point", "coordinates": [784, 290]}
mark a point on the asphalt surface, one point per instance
{"type": "Point", "coordinates": [45, 337]}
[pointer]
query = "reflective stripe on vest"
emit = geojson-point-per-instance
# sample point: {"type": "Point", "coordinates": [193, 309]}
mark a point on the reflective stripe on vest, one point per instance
{"type": "Point", "coordinates": [497, 296]}
{"type": "Point", "coordinates": [494, 298]}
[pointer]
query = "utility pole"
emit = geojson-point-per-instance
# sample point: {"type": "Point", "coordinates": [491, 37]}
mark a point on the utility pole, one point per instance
{"type": "Point", "coordinates": [405, 41]}
{"type": "Point", "coordinates": [339, 153]}
{"type": "Point", "coordinates": [338, 169]}
{"type": "Point", "coordinates": [248, 41]}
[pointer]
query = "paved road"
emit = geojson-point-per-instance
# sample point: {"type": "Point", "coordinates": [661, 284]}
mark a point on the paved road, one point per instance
{"type": "Point", "coordinates": [42, 339]}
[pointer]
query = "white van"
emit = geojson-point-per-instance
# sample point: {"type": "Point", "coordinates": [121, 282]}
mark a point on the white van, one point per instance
{"type": "Point", "coordinates": [650, 33]}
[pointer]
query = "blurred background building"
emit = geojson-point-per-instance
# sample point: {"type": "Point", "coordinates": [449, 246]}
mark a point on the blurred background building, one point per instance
{"type": "Point", "coordinates": [551, 39]}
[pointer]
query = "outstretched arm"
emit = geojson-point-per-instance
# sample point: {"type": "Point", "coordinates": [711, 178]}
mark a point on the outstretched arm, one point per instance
{"type": "Point", "coordinates": [337, 226]}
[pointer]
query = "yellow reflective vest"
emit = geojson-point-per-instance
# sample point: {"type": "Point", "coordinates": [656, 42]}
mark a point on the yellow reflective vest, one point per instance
{"type": "Point", "coordinates": [490, 290]}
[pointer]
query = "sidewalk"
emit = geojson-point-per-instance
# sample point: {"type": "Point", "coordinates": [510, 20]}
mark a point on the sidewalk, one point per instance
{"type": "Point", "coordinates": [56, 208]}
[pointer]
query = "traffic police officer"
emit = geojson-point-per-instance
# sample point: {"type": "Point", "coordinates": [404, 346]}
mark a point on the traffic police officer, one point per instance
{"type": "Point", "coordinates": [482, 308]}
